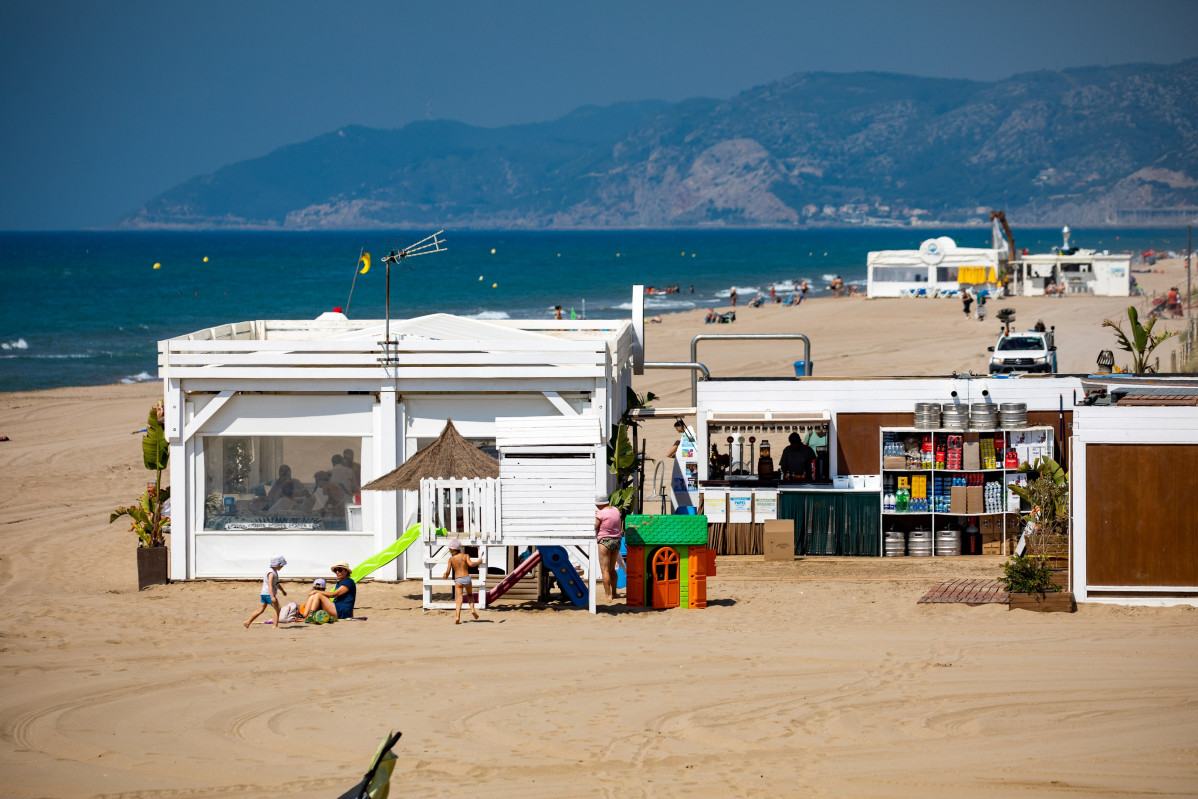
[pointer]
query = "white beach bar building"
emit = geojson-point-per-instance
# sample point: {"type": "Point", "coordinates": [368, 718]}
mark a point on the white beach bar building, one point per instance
{"type": "Point", "coordinates": [244, 400]}
{"type": "Point", "coordinates": [939, 266]}
{"type": "Point", "coordinates": [1078, 272]}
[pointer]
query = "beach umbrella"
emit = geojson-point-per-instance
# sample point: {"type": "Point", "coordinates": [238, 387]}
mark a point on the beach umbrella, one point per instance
{"type": "Point", "coordinates": [450, 456]}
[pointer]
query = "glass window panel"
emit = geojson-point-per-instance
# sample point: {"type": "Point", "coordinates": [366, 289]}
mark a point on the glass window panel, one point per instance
{"type": "Point", "coordinates": [282, 482]}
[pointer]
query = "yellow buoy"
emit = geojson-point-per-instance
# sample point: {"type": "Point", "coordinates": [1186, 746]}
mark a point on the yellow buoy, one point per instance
{"type": "Point", "coordinates": [494, 285]}
{"type": "Point", "coordinates": [480, 277]}
{"type": "Point", "coordinates": [157, 266]}
{"type": "Point", "coordinates": [205, 259]}
{"type": "Point", "coordinates": [492, 251]}
{"type": "Point", "coordinates": [692, 255]}
{"type": "Point", "coordinates": [617, 255]}
{"type": "Point", "coordinates": [684, 253]}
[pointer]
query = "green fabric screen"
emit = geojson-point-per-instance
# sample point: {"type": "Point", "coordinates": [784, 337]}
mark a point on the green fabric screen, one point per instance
{"type": "Point", "coordinates": [834, 522]}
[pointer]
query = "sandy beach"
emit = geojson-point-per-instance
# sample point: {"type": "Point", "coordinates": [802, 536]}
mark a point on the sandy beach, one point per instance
{"type": "Point", "coordinates": [818, 677]}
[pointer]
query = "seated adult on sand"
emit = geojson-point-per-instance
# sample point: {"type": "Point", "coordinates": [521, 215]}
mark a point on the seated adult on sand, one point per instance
{"type": "Point", "coordinates": [338, 603]}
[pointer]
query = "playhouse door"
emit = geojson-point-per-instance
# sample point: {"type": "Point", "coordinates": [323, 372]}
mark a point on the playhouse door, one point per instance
{"type": "Point", "coordinates": [666, 588]}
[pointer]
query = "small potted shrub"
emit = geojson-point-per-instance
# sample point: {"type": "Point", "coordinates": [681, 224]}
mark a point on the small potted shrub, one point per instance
{"type": "Point", "coordinates": [148, 517]}
{"type": "Point", "coordinates": [1029, 577]}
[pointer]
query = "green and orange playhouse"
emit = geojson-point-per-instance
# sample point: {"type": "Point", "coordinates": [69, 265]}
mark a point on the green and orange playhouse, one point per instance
{"type": "Point", "coordinates": [668, 561]}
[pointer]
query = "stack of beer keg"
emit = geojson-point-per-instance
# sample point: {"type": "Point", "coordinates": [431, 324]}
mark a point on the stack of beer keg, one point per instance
{"type": "Point", "coordinates": [927, 415]}
{"type": "Point", "coordinates": [954, 417]}
{"type": "Point", "coordinates": [1012, 415]}
{"type": "Point", "coordinates": [983, 416]}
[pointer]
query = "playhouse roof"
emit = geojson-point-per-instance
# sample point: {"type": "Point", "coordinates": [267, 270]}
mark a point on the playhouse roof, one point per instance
{"type": "Point", "coordinates": [449, 456]}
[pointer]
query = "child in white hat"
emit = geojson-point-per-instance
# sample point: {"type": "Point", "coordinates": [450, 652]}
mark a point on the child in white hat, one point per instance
{"type": "Point", "coordinates": [460, 563]}
{"type": "Point", "coordinates": [270, 584]}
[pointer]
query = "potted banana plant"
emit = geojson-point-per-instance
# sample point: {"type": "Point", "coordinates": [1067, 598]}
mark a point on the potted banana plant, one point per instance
{"type": "Point", "coordinates": [1029, 578]}
{"type": "Point", "coordinates": [148, 518]}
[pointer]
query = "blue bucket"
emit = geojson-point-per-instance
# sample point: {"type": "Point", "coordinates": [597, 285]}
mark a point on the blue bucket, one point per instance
{"type": "Point", "coordinates": [801, 370]}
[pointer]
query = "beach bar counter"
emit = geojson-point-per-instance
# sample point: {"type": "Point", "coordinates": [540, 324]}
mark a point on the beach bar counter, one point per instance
{"type": "Point", "coordinates": [842, 509]}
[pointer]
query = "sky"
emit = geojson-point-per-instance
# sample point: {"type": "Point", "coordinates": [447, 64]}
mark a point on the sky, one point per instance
{"type": "Point", "coordinates": [106, 105]}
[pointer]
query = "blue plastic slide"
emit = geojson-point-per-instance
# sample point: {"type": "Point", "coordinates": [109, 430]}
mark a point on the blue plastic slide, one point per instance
{"type": "Point", "coordinates": [556, 560]}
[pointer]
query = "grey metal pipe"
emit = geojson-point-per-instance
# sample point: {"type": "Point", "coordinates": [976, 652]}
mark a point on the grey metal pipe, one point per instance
{"type": "Point", "coordinates": [692, 364]}
{"type": "Point", "coordinates": [745, 336]}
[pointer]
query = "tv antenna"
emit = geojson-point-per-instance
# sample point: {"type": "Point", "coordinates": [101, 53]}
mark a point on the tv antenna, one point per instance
{"type": "Point", "coordinates": [426, 246]}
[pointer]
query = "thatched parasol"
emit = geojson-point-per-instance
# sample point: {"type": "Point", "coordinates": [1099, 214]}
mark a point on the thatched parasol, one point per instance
{"type": "Point", "coordinates": [448, 457]}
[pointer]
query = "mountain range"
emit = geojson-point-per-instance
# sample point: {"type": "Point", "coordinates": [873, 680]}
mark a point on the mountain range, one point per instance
{"type": "Point", "coordinates": [1093, 146]}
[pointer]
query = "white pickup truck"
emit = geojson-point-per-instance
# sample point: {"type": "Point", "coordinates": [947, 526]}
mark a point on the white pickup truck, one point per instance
{"type": "Point", "coordinates": [1031, 351]}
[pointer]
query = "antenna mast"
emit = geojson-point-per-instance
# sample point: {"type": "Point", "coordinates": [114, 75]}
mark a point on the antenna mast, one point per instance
{"type": "Point", "coordinates": [426, 246]}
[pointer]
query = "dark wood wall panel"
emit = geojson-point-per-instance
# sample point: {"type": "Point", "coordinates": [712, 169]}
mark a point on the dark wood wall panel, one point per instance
{"type": "Point", "coordinates": [1141, 527]}
{"type": "Point", "coordinates": [858, 445]}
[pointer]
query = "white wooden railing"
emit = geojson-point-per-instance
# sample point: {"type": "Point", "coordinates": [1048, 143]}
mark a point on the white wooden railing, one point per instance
{"type": "Point", "coordinates": [467, 508]}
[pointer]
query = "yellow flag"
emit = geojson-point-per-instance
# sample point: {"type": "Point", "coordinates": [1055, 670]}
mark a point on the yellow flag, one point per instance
{"type": "Point", "coordinates": [365, 261]}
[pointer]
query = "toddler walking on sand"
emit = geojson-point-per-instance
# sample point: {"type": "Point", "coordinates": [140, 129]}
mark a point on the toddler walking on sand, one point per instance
{"type": "Point", "coordinates": [270, 583]}
{"type": "Point", "coordinates": [460, 563]}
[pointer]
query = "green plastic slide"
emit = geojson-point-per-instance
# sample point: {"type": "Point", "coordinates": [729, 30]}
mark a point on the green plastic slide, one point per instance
{"type": "Point", "coordinates": [374, 562]}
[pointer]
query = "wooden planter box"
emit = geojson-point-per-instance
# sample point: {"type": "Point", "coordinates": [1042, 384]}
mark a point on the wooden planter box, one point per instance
{"type": "Point", "coordinates": [1058, 602]}
{"type": "Point", "coordinates": [152, 563]}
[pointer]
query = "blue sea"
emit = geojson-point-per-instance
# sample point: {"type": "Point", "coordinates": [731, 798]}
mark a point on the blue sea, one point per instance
{"type": "Point", "coordinates": [88, 308]}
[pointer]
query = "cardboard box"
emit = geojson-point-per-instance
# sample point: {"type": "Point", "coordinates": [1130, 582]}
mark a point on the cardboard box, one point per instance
{"type": "Point", "coordinates": [778, 539]}
{"type": "Point", "coordinates": [986, 525]}
{"type": "Point", "coordinates": [957, 500]}
{"type": "Point", "coordinates": [894, 462]}
{"type": "Point", "coordinates": [975, 499]}
{"type": "Point", "coordinates": [971, 453]}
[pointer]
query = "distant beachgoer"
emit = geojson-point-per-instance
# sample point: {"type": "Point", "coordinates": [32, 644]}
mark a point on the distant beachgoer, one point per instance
{"type": "Point", "coordinates": [609, 529]}
{"type": "Point", "coordinates": [756, 301]}
{"type": "Point", "coordinates": [711, 316]}
{"type": "Point", "coordinates": [1173, 301]}
{"type": "Point", "coordinates": [732, 296]}
{"type": "Point", "coordinates": [557, 312]}
{"type": "Point", "coordinates": [347, 457]}
{"type": "Point", "coordinates": [680, 428]}
{"type": "Point", "coordinates": [461, 563]}
{"type": "Point", "coordinates": [692, 288]}
{"type": "Point", "coordinates": [287, 501]}
{"type": "Point", "coordinates": [343, 475]}
{"type": "Point", "coordinates": [1040, 326]}
{"type": "Point", "coordinates": [270, 584]}
{"type": "Point", "coordinates": [982, 297]}
{"type": "Point", "coordinates": [773, 294]}
{"type": "Point", "coordinates": [803, 290]}
{"type": "Point", "coordinates": [966, 300]}
{"type": "Point", "coordinates": [797, 461]}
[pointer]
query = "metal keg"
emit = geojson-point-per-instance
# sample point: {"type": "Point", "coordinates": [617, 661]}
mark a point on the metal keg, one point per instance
{"type": "Point", "coordinates": [1012, 415]}
{"type": "Point", "coordinates": [948, 542]}
{"type": "Point", "coordinates": [927, 415]}
{"type": "Point", "coordinates": [954, 417]}
{"type": "Point", "coordinates": [895, 544]}
{"type": "Point", "coordinates": [983, 416]}
{"type": "Point", "coordinates": [919, 543]}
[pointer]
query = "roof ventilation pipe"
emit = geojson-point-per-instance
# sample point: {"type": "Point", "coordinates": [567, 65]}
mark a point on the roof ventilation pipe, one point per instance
{"type": "Point", "coordinates": [745, 337]}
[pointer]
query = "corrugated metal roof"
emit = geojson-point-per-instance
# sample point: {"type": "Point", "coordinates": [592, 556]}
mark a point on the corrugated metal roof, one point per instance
{"type": "Point", "coordinates": [1158, 395]}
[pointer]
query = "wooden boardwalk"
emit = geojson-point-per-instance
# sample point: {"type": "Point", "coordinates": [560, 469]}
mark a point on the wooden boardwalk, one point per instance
{"type": "Point", "coordinates": [969, 592]}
